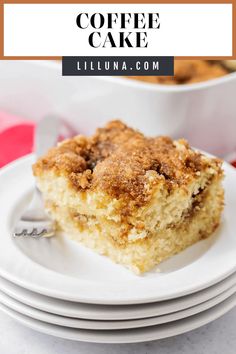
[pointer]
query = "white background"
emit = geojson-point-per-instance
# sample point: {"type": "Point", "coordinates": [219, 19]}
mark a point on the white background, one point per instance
{"type": "Point", "coordinates": [51, 30]}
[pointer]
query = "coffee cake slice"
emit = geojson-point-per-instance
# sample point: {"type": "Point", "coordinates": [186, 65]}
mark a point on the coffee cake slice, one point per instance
{"type": "Point", "coordinates": [135, 199]}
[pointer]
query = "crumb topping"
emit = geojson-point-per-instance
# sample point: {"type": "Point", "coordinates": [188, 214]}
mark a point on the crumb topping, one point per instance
{"type": "Point", "coordinates": [123, 162]}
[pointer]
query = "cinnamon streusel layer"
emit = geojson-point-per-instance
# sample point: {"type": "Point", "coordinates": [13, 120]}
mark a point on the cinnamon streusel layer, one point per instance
{"type": "Point", "coordinates": [138, 200]}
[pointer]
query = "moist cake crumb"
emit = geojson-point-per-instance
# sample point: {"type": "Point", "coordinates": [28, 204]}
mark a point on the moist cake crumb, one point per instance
{"type": "Point", "coordinates": [136, 199]}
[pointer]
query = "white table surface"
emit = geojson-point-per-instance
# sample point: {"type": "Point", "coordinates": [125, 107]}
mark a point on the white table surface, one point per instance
{"type": "Point", "coordinates": [218, 337]}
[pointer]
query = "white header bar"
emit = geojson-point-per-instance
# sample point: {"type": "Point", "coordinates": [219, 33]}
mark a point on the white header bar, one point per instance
{"type": "Point", "coordinates": [52, 30]}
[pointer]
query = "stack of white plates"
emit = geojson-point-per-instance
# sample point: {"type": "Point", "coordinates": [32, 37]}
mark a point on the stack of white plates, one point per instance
{"type": "Point", "coordinates": [58, 287]}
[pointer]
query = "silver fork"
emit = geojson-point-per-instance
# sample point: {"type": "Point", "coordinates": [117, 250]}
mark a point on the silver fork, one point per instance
{"type": "Point", "coordinates": [34, 222]}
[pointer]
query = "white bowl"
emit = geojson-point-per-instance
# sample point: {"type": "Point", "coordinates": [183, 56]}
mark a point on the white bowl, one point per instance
{"type": "Point", "coordinates": [204, 113]}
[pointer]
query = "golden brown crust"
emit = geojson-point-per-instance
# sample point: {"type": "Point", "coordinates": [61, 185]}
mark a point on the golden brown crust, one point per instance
{"type": "Point", "coordinates": [187, 72]}
{"type": "Point", "coordinates": [123, 162]}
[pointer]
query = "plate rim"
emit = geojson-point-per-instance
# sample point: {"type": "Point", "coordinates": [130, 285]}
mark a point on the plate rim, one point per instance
{"type": "Point", "coordinates": [78, 323]}
{"type": "Point", "coordinates": [145, 311]}
{"type": "Point", "coordinates": [175, 328]}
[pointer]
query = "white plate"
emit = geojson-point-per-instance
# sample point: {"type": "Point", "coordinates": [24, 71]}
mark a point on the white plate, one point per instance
{"type": "Point", "coordinates": [63, 269]}
{"type": "Point", "coordinates": [111, 325]}
{"type": "Point", "coordinates": [106, 312]}
{"type": "Point", "coordinates": [128, 335]}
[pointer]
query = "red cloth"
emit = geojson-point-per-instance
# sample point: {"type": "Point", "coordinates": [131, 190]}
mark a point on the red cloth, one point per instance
{"type": "Point", "coordinates": [15, 142]}
{"type": "Point", "coordinates": [16, 137]}
{"type": "Point", "coordinates": [234, 163]}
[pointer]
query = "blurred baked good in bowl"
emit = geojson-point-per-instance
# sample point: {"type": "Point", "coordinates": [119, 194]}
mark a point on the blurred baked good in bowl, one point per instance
{"type": "Point", "coordinates": [192, 71]}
